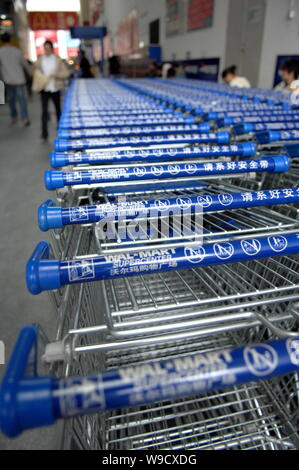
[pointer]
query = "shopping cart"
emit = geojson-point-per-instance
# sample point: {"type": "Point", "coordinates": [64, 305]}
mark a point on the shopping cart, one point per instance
{"type": "Point", "coordinates": [166, 339]}
{"type": "Point", "coordinates": [248, 414]}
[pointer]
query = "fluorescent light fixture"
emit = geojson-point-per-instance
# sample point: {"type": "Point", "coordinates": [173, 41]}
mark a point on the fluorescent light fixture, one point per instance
{"type": "Point", "coordinates": [62, 44]}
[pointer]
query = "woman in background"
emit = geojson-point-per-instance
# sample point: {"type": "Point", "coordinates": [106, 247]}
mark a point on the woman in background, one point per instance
{"type": "Point", "coordinates": [231, 78]}
{"type": "Point", "coordinates": [56, 71]}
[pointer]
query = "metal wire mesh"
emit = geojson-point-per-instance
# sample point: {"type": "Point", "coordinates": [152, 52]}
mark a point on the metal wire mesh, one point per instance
{"type": "Point", "coordinates": [255, 416]}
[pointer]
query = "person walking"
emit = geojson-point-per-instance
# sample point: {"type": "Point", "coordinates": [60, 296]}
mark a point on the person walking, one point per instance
{"type": "Point", "coordinates": [12, 69]}
{"type": "Point", "coordinates": [55, 71]}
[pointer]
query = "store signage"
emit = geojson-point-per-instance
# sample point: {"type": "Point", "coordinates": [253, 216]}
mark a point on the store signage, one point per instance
{"type": "Point", "coordinates": [200, 14]}
{"type": "Point", "coordinates": [52, 20]}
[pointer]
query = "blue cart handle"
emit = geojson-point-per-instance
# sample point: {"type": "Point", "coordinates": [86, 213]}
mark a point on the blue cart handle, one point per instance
{"type": "Point", "coordinates": [46, 268]}
{"type": "Point", "coordinates": [33, 402]}
{"type": "Point", "coordinates": [59, 179]}
{"type": "Point", "coordinates": [108, 143]}
{"type": "Point", "coordinates": [44, 274]}
{"type": "Point", "coordinates": [53, 217]}
{"type": "Point", "coordinates": [18, 413]}
{"type": "Point", "coordinates": [243, 149]}
{"type": "Point", "coordinates": [268, 137]}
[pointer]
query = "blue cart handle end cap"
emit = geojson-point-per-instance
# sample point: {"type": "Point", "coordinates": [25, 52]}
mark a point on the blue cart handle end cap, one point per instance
{"type": "Point", "coordinates": [223, 137]}
{"type": "Point", "coordinates": [243, 128]}
{"type": "Point", "coordinates": [266, 137]}
{"type": "Point", "coordinates": [17, 412]}
{"type": "Point", "coordinates": [57, 160]}
{"type": "Point", "coordinates": [249, 149]}
{"type": "Point", "coordinates": [53, 179]}
{"type": "Point", "coordinates": [49, 216]}
{"type": "Point", "coordinates": [190, 120]}
{"type": "Point", "coordinates": [282, 163]}
{"type": "Point", "coordinates": [60, 145]}
{"type": "Point", "coordinates": [204, 127]}
{"type": "Point", "coordinates": [42, 273]}
{"type": "Point", "coordinates": [198, 111]}
{"type": "Point", "coordinates": [223, 122]}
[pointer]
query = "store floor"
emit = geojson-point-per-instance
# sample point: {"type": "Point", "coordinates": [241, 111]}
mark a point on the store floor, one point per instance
{"type": "Point", "coordinates": [23, 159]}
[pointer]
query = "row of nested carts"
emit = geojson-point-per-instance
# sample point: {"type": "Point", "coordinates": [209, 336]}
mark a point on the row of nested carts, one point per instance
{"type": "Point", "coordinates": [173, 272]}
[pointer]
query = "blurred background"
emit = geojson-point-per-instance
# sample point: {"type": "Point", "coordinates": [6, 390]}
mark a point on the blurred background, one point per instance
{"type": "Point", "coordinates": [201, 37]}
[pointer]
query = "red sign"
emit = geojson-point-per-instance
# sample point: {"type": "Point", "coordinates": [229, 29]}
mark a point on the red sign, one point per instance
{"type": "Point", "coordinates": [200, 14]}
{"type": "Point", "coordinates": [52, 20]}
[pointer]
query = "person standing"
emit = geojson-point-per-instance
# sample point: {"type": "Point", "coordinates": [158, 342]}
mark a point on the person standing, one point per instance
{"type": "Point", "coordinates": [289, 73]}
{"type": "Point", "coordinates": [12, 68]}
{"type": "Point", "coordinates": [53, 67]}
{"type": "Point", "coordinates": [230, 77]}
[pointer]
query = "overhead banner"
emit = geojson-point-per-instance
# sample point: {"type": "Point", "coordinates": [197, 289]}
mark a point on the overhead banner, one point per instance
{"type": "Point", "coordinates": [52, 20]}
{"type": "Point", "coordinates": [128, 34]}
{"type": "Point", "coordinates": [96, 9]}
{"type": "Point", "coordinates": [200, 14]}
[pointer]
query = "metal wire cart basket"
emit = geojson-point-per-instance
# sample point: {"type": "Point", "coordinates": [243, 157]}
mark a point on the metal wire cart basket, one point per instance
{"type": "Point", "coordinates": [173, 272]}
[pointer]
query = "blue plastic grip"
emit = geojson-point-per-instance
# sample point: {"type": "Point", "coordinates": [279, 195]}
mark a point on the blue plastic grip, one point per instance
{"type": "Point", "coordinates": [266, 137]}
{"type": "Point", "coordinates": [63, 145]}
{"type": "Point", "coordinates": [176, 377]}
{"type": "Point", "coordinates": [49, 216]}
{"type": "Point", "coordinates": [204, 127]}
{"type": "Point", "coordinates": [58, 179]}
{"type": "Point", "coordinates": [42, 273]}
{"type": "Point", "coordinates": [222, 137]}
{"type": "Point", "coordinates": [292, 150]}
{"type": "Point", "coordinates": [57, 160]}
{"type": "Point", "coordinates": [25, 402]}
{"type": "Point", "coordinates": [244, 128]}
{"type": "Point", "coordinates": [29, 403]}
{"type": "Point", "coordinates": [282, 164]}
{"type": "Point", "coordinates": [53, 179]}
{"type": "Point", "coordinates": [249, 149]}
{"type": "Point", "coordinates": [205, 202]}
{"type": "Point", "coordinates": [247, 127]}
{"type": "Point", "coordinates": [224, 122]}
{"type": "Point", "coordinates": [48, 275]}
{"type": "Point", "coordinates": [244, 149]}
{"type": "Point", "coordinates": [145, 131]}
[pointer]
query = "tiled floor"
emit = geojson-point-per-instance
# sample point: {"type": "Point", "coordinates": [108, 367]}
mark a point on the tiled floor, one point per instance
{"type": "Point", "coordinates": [23, 159]}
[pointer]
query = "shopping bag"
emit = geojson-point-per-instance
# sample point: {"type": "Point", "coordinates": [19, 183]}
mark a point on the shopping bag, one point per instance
{"type": "Point", "coordinates": [39, 81]}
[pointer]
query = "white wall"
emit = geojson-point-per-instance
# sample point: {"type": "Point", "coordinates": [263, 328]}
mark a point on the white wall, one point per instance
{"type": "Point", "coordinates": [209, 42]}
{"type": "Point", "coordinates": [281, 37]}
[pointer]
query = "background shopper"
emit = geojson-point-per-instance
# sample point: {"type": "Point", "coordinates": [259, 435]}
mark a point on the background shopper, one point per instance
{"type": "Point", "coordinates": [289, 73]}
{"type": "Point", "coordinates": [12, 71]}
{"type": "Point", "coordinates": [52, 67]}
